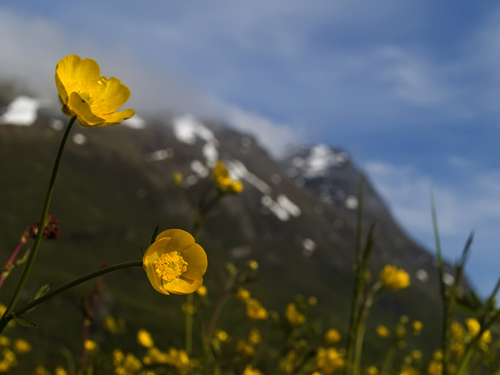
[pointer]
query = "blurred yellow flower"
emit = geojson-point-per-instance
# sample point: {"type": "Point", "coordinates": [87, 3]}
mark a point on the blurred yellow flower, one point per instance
{"type": "Point", "coordinates": [60, 371]}
{"type": "Point", "coordinates": [245, 349]}
{"type": "Point", "coordinates": [382, 331]}
{"type": "Point", "coordinates": [457, 331]}
{"type": "Point", "coordinates": [40, 370]}
{"type": "Point", "coordinates": [131, 364]}
{"type": "Point", "coordinates": [294, 317]}
{"type": "Point", "coordinates": [435, 367]}
{"type": "Point", "coordinates": [178, 178]}
{"type": "Point", "coordinates": [255, 310]}
{"type": "Point", "coordinates": [473, 326]}
{"type": "Point", "coordinates": [394, 278]}
{"type": "Point", "coordinates": [417, 327]}
{"type": "Point", "coordinates": [329, 360]}
{"type": "Point", "coordinates": [188, 308]}
{"type": "Point", "coordinates": [90, 345]}
{"type": "Point", "coordinates": [254, 336]}
{"type": "Point", "coordinates": [312, 301]}
{"type": "Point", "coordinates": [372, 370]}
{"type": "Point", "coordinates": [249, 370]}
{"type": "Point", "coordinates": [221, 335]}
{"type": "Point", "coordinates": [202, 291]}
{"type": "Point", "coordinates": [22, 346]}
{"type": "Point", "coordinates": [89, 97]}
{"type": "Point", "coordinates": [416, 354]}
{"type": "Point", "coordinates": [253, 265]}
{"type": "Point", "coordinates": [485, 340]}
{"type": "Point", "coordinates": [331, 337]}
{"type": "Point", "coordinates": [111, 325]}
{"type": "Point", "coordinates": [409, 371]}
{"type": "Point", "coordinates": [4, 340]}
{"type": "Point", "coordinates": [242, 294]}
{"type": "Point", "coordinates": [144, 338]}
{"type": "Point", "coordinates": [175, 263]}
{"type": "Point", "coordinates": [224, 181]}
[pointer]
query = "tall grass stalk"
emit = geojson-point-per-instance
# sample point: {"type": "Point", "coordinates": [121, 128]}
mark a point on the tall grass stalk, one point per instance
{"type": "Point", "coordinates": [39, 235]}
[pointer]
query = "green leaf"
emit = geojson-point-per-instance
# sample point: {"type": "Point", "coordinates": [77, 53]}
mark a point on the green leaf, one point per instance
{"type": "Point", "coordinates": [23, 322]}
{"type": "Point", "coordinates": [41, 292]}
{"type": "Point", "coordinates": [153, 237]}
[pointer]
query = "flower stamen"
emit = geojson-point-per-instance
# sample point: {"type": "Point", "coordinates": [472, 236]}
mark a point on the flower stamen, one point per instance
{"type": "Point", "coordinates": [170, 266]}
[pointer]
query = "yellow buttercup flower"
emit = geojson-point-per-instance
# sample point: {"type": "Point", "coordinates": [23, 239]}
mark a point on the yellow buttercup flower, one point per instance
{"type": "Point", "coordinates": [175, 263]}
{"type": "Point", "coordinates": [22, 346]}
{"type": "Point", "coordinates": [417, 327]}
{"type": "Point", "coordinates": [242, 294]}
{"type": "Point", "coordinates": [111, 325]}
{"type": "Point", "coordinates": [253, 265]}
{"type": "Point", "coordinates": [245, 349]}
{"type": "Point", "coordinates": [221, 335]}
{"type": "Point", "coordinates": [254, 336]}
{"type": "Point", "coordinates": [331, 337]}
{"type": "Point", "coordinates": [293, 315]}
{"type": "Point", "coordinates": [88, 96]}
{"type": "Point", "coordinates": [382, 331]}
{"type": "Point", "coordinates": [144, 338]}
{"type": "Point", "coordinates": [202, 291]}
{"type": "Point", "coordinates": [90, 345]}
{"type": "Point", "coordinates": [394, 278]}
{"type": "Point", "coordinates": [329, 360]}
{"type": "Point", "coordinates": [473, 326]}
{"type": "Point", "coordinates": [224, 181]}
{"type": "Point", "coordinates": [249, 370]}
{"type": "Point", "coordinates": [255, 310]}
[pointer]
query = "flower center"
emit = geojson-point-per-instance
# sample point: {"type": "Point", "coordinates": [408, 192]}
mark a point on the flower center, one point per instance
{"type": "Point", "coordinates": [170, 266]}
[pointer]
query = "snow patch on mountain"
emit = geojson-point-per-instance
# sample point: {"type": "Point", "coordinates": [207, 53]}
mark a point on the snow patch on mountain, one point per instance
{"type": "Point", "coordinates": [288, 205]}
{"type": "Point", "coordinates": [282, 208]}
{"type": "Point", "coordinates": [135, 122]}
{"type": "Point", "coordinates": [318, 162]}
{"type": "Point", "coordinates": [198, 168]}
{"type": "Point", "coordinates": [21, 111]}
{"type": "Point", "coordinates": [159, 155]}
{"type": "Point", "coordinates": [79, 139]}
{"type": "Point", "coordinates": [308, 246]}
{"type": "Point", "coordinates": [188, 130]}
{"type": "Point", "coordinates": [238, 171]}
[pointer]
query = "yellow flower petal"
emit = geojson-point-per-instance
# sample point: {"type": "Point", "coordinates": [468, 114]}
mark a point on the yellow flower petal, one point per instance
{"type": "Point", "coordinates": [93, 99]}
{"type": "Point", "coordinates": [181, 239]}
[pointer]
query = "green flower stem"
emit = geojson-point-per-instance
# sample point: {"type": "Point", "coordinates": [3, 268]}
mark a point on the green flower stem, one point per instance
{"type": "Point", "coordinates": [8, 316]}
{"type": "Point", "coordinates": [189, 324]}
{"type": "Point", "coordinates": [358, 284]}
{"type": "Point", "coordinates": [389, 359]}
{"type": "Point", "coordinates": [447, 311]}
{"type": "Point", "coordinates": [201, 212]}
{"type": "Point", "coordinates": [361, 325]}
{"type": "Point", "coordinates": [41, 226]}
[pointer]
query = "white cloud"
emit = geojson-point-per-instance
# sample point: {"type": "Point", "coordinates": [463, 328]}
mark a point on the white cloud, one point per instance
{"type": "Point", "coordinates": [275, 137]}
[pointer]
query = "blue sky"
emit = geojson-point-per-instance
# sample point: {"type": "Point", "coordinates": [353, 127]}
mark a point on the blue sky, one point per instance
{"type": "Point", "coordinates": [410, 88]}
